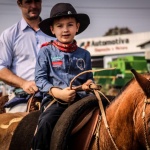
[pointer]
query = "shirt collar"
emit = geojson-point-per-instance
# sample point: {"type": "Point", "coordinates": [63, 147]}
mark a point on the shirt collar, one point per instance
{"type": "Point", "coordinates": [24, 24]}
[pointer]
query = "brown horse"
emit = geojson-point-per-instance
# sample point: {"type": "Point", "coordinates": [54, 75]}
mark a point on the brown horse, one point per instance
{"type": "Point", "coordinates": [128, 118]}
{"type": "Point", "coordinates": [17, 130]}
{"type": "Point", "coordinates": [8, 124]}
{"type": "Point", "coordinates": [127, 124]}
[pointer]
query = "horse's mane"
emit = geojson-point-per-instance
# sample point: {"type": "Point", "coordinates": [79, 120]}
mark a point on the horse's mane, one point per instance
{"type": "Point", "coordinates": [126, 85]}
{"type": "Point", "coordinates": [122, 90]}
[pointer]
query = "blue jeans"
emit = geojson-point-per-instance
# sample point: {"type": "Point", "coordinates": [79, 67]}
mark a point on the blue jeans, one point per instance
{"type": "Point", "coordinates": [46, 123]}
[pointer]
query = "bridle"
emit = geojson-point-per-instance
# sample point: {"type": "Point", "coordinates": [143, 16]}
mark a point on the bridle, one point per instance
{"type": "Point", "coordinates": [146, 101]}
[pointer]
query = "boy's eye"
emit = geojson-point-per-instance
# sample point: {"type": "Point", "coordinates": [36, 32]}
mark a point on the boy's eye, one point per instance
{"type": "Point", "coordinates": [59, 26]}
{"type": "Point", "coordinates": [70, 24]}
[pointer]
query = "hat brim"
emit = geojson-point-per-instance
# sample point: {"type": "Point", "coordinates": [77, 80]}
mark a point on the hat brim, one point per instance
{"type": "Point", "coordinates": [83, 19]}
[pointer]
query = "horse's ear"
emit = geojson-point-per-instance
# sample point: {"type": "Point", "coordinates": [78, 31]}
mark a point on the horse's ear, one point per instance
{"type": "Point", "coordinates": [143, 82]}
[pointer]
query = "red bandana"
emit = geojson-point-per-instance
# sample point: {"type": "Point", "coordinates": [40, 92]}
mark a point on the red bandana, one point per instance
{"type": "Point", "coordinates": [63, 47]}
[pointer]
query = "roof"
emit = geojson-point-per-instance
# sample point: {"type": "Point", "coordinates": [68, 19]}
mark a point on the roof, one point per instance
{"type": "Point", "coordinates": [143, 44]}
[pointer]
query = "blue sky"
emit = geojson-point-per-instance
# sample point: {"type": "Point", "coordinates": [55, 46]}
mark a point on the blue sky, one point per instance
{"type": "Point", "coordinates": [104, 14]}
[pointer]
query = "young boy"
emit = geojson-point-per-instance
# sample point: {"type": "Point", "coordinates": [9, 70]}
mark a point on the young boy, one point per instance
{"type": "Point", "coordinates": [58, 63]}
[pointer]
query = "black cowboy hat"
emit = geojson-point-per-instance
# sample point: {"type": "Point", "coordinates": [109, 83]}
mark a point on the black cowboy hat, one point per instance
{"type": "Point", "coordinates": [62, 10]}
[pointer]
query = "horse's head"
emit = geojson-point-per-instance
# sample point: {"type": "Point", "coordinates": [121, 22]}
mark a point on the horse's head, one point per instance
{"type": "Point", "coordinates": [143, 82]}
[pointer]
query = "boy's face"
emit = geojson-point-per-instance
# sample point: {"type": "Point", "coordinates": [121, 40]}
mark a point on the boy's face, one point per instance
{"type": "Point", "coordinates": [65, 29]}
{"type": "Point", "coordinates": [31, 9]}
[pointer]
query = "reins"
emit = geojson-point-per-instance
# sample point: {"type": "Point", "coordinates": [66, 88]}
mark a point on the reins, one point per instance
{"type": "Point", "coordinates": [96, 92]}
{"type": "Point", "coordinates": [29, 103]}
{"type": "Point", "coordinates": [104, 117]}
{"type": "Point", "coordinates": [31, 98]}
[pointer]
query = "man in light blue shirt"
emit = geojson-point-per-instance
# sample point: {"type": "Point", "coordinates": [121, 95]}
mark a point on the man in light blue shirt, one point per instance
{"type": "Point", "coordinates": [19, 46]}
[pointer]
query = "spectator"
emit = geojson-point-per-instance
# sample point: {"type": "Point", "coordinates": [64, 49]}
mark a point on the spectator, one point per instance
{"type": "Point", "coordinates": [19, 47]}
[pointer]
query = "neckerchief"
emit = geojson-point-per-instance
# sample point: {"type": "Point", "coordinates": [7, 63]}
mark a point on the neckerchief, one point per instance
{"type": "Point", "coordinates": [63, 47]}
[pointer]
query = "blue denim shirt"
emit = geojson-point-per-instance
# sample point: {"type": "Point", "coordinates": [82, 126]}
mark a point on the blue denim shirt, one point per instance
{"type": "Point", "coordinates": [57, 68]}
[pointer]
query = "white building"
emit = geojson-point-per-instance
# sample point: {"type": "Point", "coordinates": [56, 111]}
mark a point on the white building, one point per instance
{"type": "Point", "coordinates": [146, 47]}
{"type": "Point", "coordinates": [104, 49]}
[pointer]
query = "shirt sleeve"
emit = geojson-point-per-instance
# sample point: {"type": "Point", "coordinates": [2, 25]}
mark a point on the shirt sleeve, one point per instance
{"type": "Point", "coordinates": [42, 71]}
{"type": "Point", "coordinates": [5, 50]}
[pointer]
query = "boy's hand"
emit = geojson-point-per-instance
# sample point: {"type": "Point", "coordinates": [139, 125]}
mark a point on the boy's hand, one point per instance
{"type": "Point", "coordinates": [85, 86]}
{"type": "Point", "coordinates": [66, 94]}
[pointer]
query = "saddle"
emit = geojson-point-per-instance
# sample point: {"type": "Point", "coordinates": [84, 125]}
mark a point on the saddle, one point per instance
{"type": "Point", "coordinates": [84, 129]}
{"type": "Point", "coordinates": [81, 135]}
{"type": "Point", "coordinates": [34, 104]}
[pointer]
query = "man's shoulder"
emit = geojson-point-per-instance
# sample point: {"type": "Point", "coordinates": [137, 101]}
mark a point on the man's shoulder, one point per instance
{"type": "Point", "coordinates": [10, 30]}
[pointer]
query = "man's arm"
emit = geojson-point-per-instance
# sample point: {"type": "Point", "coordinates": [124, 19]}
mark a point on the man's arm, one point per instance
{"type": "Point", "coordinates": [13, 80]}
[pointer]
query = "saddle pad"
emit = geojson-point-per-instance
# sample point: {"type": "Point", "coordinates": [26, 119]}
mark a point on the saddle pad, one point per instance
{"type": "Point", "coordinates": [82, 120]}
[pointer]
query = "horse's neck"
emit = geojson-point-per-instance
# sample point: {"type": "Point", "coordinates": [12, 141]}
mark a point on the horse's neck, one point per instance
{"type": "Point", "coordinates": [126, 102]}
{"type": "Point", "coordinates": [120, 116]}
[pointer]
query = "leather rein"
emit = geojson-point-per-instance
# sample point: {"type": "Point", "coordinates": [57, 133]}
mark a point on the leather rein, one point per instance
{"type": "Point", "coordinates": [97, 93]}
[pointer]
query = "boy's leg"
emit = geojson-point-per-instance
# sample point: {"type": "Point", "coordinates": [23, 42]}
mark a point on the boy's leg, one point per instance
{"type": "Point", "coordinates": [47, 121]}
